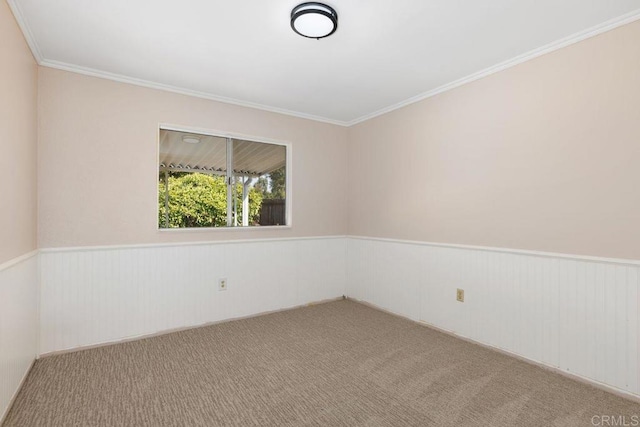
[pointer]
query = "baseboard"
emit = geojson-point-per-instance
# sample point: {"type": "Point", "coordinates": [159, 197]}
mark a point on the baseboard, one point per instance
{"type": "Point", "coordinates": [185, 328]}
{"type": "Point", "coordinates": [601, 386]}
{"type": "Point", "coordinates": [15, 395]}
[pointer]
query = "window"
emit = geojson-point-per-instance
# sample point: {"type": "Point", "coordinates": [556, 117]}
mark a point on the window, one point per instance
{"type": "Point", "coordinates": [215, 181]}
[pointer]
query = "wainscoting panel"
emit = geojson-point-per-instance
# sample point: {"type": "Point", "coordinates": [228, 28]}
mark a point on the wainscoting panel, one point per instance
{"type": "Point", "coordinates": [18, 324]}
{"type": "Point", "coordinates": [576, 314]}
{"type": "Point", "coordinates": [101, 295]}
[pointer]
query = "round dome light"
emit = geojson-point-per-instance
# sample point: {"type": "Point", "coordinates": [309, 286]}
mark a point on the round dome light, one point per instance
{"type": "Point", "coordinates": [190, 139]}
{"type": "Point", "coordinates": [314, 20]}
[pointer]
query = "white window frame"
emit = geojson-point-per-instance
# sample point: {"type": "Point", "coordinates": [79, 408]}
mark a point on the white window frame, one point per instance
{"type": "Point", "coordinates": [232, 135]}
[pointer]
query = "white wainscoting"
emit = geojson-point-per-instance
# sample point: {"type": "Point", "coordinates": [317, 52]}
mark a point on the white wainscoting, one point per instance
{"type": "Point", "coordinates": [576, 314]}
{"type": "Point", "coordinates": [92, 296]}
{"type": "Point", "coordinates": [18, 324]}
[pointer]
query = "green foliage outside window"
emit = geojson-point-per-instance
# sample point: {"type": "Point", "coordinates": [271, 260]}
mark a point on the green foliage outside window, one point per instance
{"type": "Point", "coordinates": [272, 185]}
{"type": "Point", "coordinates": [199, 200]}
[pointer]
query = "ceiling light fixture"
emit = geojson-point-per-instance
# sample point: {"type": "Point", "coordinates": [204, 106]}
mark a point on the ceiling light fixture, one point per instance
{"type": "Point", "coordinates": [314, 20]}
{"type": "Point", "coordinates": [190, 139]}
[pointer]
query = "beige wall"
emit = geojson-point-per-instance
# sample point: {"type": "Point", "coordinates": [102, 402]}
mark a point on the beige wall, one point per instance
{"type": "Point", "coordinates": [18, 116]}
{"type": "Point", "coordinates": [543, 156]}
{"type": "Point", "coordinates": [98, 172]}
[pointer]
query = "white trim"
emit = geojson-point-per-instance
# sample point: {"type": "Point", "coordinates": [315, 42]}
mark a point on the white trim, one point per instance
{"type": "Point", "coordinates": [224, 228]}
{"type": "Point", "coordinates": [505, 250]}
{"type": "Point", "coordinates": [288, 189]}
{"type": "Point", "coordinates": [174, 244]}
{"type": "Point", "coordinates": [182, 91]}
{"type": "Point", "coordinates": [554, 369]}
{"type": "Point", "coordinates": [26, 31]}
{"type": "Point", "coordinates": [621, 261]}
{"type": "Point", "coordinates": [18, 260]}
{"type": "Point", "coordinates": [551, 47]}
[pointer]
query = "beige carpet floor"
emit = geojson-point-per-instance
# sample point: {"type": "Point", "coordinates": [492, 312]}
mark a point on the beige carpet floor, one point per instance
{"type": "Point", "coordinates": [333, 364]}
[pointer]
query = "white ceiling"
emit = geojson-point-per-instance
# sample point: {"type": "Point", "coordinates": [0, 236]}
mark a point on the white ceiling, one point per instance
{"type": "Point", "coordinates": [384, 54]}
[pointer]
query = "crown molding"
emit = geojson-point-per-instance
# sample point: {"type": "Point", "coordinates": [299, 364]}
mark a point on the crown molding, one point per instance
{"type": "Point", "coordinates": [551, 47]}
{"type": "Point", "coordinates": [26, 31]}
{"type": "Point", "coordinates": [35, 50]}
{"type": "Point", "coordinates": [182, 91]}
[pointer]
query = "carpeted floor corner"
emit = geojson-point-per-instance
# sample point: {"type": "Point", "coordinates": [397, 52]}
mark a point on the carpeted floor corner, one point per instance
{"type": "Point", "coordinates": [333, 364]}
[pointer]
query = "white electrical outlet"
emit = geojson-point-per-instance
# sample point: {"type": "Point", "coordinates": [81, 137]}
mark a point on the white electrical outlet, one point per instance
{"type": "Point", "coordinates": [222, 284]}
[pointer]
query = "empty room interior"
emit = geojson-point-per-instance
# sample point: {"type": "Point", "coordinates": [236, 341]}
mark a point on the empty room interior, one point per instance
{"type": "Point", "coordinates": [420, 213]}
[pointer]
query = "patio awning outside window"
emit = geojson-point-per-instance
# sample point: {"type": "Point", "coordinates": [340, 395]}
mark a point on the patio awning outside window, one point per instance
{"type": "Point", "coordinates": [250, 159]}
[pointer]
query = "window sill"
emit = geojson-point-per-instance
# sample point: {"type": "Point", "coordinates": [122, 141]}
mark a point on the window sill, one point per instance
{"type": "Point", "coordinates": [218, 229]}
